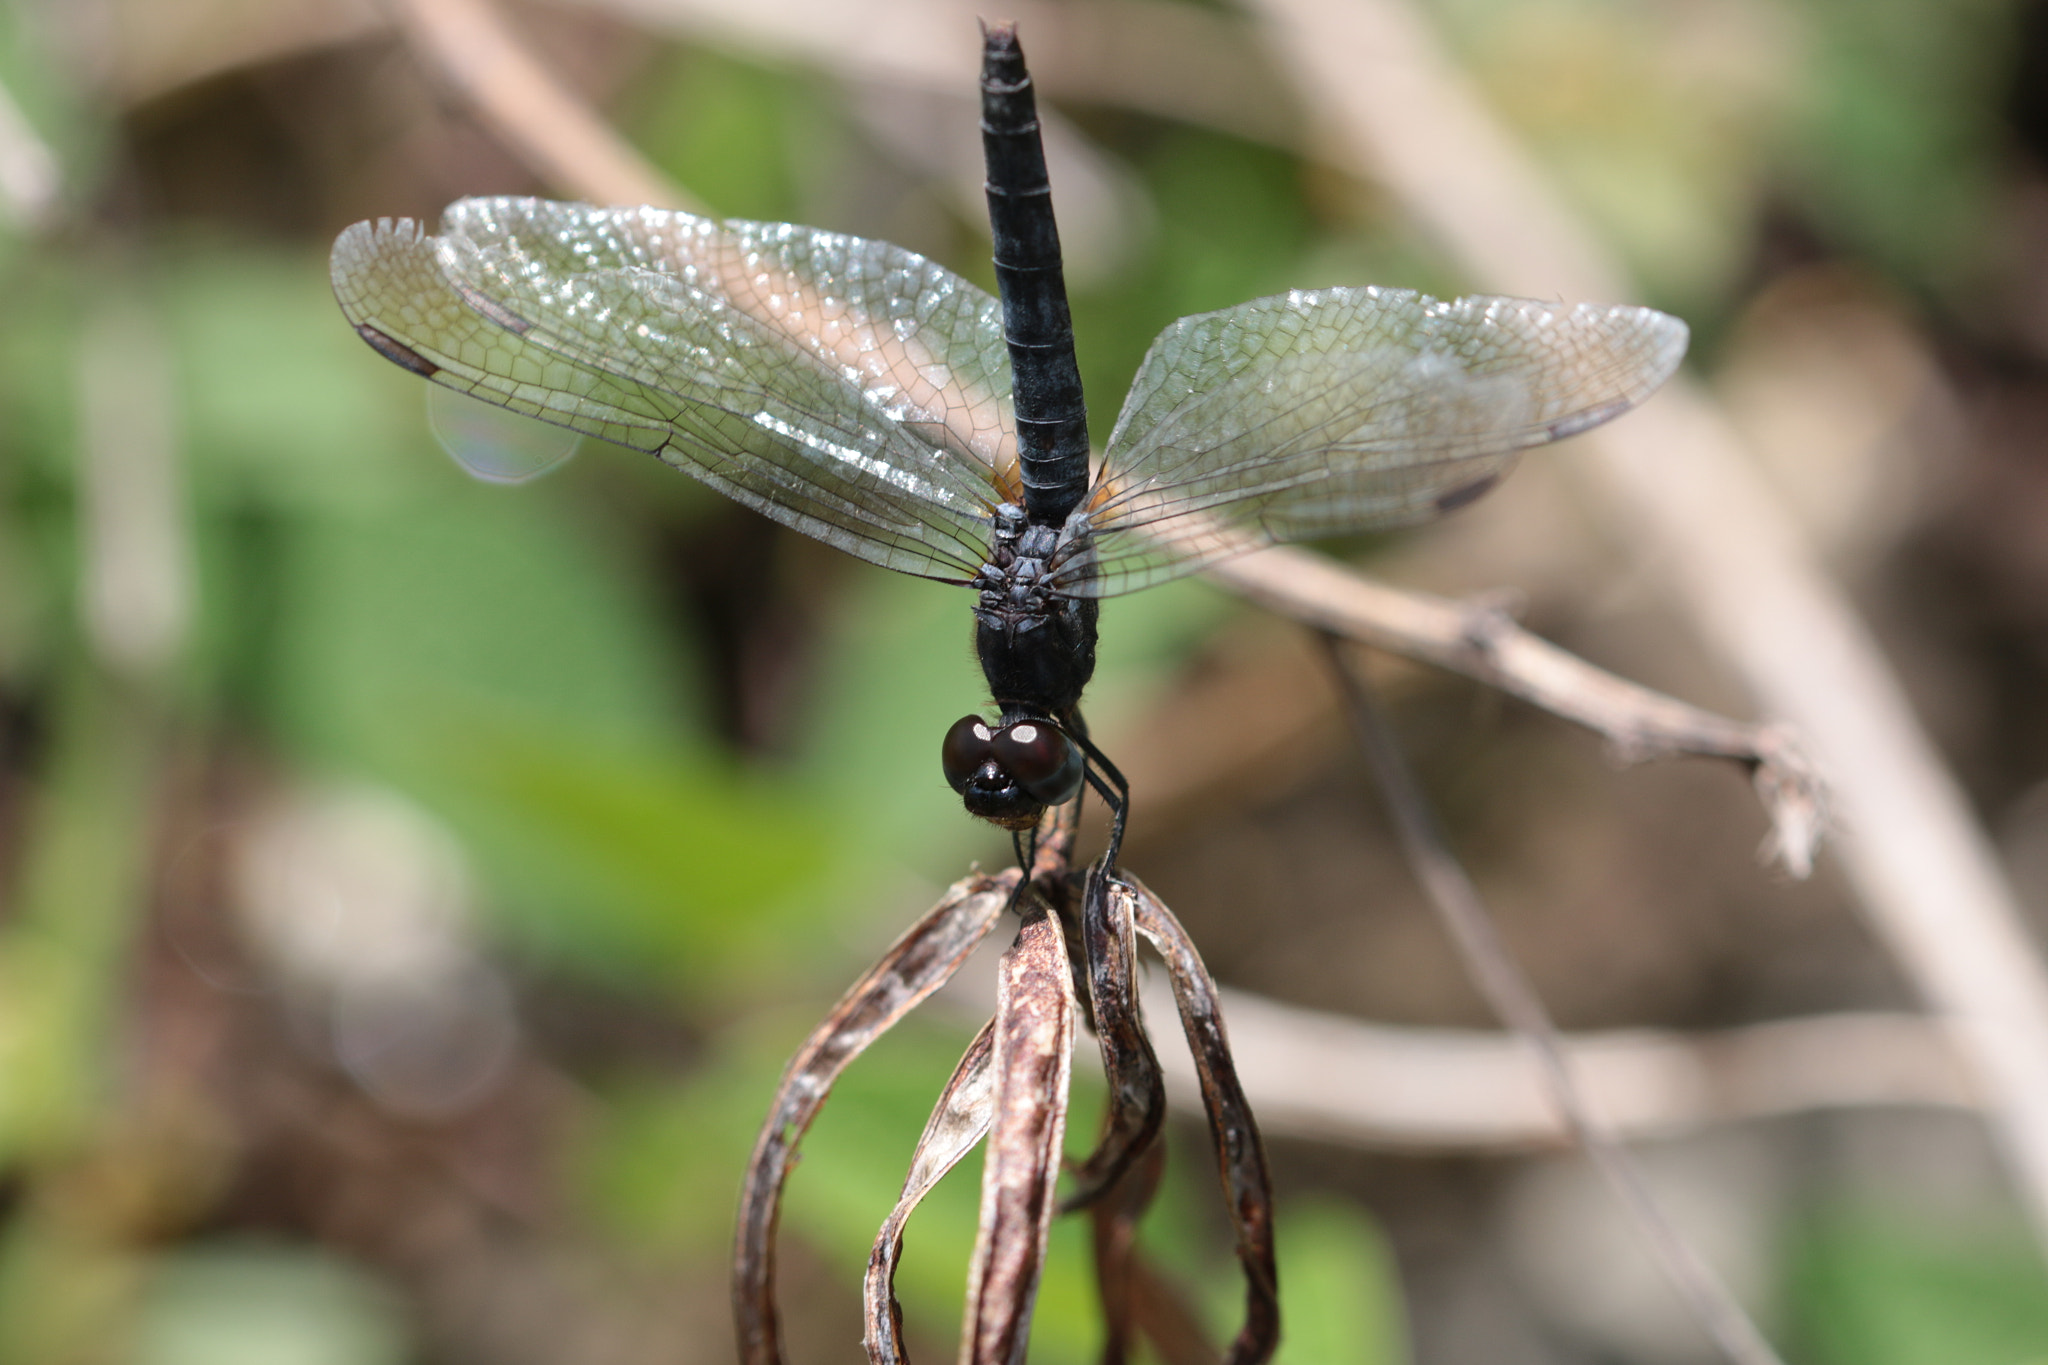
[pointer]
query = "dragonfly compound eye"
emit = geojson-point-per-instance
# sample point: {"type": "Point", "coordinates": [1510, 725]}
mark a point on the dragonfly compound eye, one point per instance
{"type": "Point", "coordinates": [1041, 759]}
{"type": "Point", "coordinates": [966, 749]}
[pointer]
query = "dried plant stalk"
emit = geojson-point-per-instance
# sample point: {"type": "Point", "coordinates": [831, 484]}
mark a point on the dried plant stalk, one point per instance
{"type": "Point", "coordinates": [1137, 1091]}
{"type": "Point", "coordinates": [917, 964]}
{"type": "Point", "coordinates": [1240, 1157]}
{"type": "Point", "coordinates": [1034, 1048]}
{"type": "Point", "coordinates": [1485, 644]}
{"type": "Point", "coordinates": [958, 1121]}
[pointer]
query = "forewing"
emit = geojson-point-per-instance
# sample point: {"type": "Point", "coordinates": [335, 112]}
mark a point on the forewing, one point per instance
{"type": "Point", "coordinates": [1334, 411]}
{"type": "Point", "coordinates": [847, 388]}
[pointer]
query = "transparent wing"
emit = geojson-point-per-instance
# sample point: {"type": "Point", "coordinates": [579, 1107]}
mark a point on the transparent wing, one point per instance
{"type": "Point", "coordinates": [1340, 410]}
{"type": "Point", "coordinates": [847, 388]}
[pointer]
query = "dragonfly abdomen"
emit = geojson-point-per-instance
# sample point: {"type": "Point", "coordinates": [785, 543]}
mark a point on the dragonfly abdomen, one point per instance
{"type": "Point", "coordinates": [1052, 420]}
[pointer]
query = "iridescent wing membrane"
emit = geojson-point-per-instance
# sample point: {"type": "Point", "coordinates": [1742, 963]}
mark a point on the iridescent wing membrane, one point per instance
{"type": "Point", "coordinates": [860, 393]}
{"type": "Point", "coordinates": [1340, 410]}
{"type": "Point", "coordinates": [847, 388]}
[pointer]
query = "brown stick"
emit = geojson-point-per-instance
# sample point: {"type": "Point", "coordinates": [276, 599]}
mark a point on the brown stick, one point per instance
{"type": "Point", "coordinates": [468, 45]}
{"type": "Point", "coordinates": [1485, 644]}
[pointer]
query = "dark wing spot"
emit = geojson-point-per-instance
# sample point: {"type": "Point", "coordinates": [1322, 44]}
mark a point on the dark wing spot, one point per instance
{"type": "Point", "coordinates": [1585, 421]}
{"type": "Point", "coordinates": [1466, 496]}
{"type": "Point", "coordinates": [492, 309]}
{"type": "Point", "coordinates": [398, 353]}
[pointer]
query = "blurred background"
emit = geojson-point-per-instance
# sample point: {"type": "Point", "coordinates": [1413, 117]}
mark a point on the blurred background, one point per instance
{"type": "Point", "coordinates": [411, 887]}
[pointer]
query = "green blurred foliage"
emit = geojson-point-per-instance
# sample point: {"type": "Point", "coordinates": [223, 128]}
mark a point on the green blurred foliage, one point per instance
{"type": "Point", "coordinates": [1339, 1294]}
{"type": "Point", "coordinates": [252, 1304]}
{"type": "Point", "coordinates": [1879, 1288]}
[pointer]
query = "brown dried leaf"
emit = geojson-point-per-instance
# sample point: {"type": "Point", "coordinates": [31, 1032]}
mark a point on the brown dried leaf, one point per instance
{"type": "Point", "coordinates": [1137, 1094]}
{"type": "Point", "coordinates": [958, 1121]}
{"type": "Point", "coordinates": [1240, 1158]}
{"type": "Point", "coordinates": [1034, 1042]}
{"type": "Point", "coordinates": [917, 964]}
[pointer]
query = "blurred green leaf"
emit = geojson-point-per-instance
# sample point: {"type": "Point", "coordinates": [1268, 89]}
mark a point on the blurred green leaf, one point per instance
{"type": "Point", "coordinates": [284, 407]}
{"type": "Point", "coordinates": [1340, 1299]}
{"type": "Point", "coordinates": [1875, 1289]}
{"type": "Point", "coordinates": [78, 896]}
{"type": "Point", "coordinates": [895, 666]}
{"type": "Point", "coordinates": [477, 603]}
{"type": "Point", "coordinates": [1900, 138]}
{"type": "Point", "coordinates": [653, 865]}
{"type": "Point", "coordinates": [474, 651]}
{"type": "Point", "coordinates": [731, 131]}
{"type": "Point", "coordinates": [266, 1305]}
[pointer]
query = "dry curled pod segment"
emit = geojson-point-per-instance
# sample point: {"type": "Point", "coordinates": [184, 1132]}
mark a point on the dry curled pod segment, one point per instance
{"type": "Point", "coordinates": [917, 964]}
{"type": "Point", "coordinates": [1137, 1092]}
{"type": "Point", "coordinates": [1240, 1155]}
{"type": "Point", "coordinates": [1034, 1049]}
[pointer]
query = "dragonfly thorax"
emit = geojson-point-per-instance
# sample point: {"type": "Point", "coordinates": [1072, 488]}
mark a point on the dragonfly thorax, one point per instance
{"type": "Point", "coordinates": [1036, 643]}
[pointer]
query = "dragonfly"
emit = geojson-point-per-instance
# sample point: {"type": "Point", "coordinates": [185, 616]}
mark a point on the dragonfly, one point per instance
{"type": "Point", "coordinates": [868, 397]}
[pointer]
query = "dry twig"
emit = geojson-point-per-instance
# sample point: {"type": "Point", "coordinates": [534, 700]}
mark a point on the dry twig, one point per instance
{"type": "Point", "coordinates": [1240, 1155]}
{"type": "Point", "coordinates": [1034, 1051]}
{"type": "Point", "coordinates": [1138, 1104]}
{"type": "Point", "coordinates": [1435, 1090]}
{"type": "Point", "coordinates": [1515, 1001]}
{"type": "Point", "coordinates": [1483, 643]}
{"type": "Point", "coordinates": [468, 45]}
{"type": "Point", "coordinates": [958, 1121]}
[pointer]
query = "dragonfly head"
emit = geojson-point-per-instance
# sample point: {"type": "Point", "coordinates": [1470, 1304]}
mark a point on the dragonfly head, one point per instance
{"type": "Point", "coordinates": [1010, 772]}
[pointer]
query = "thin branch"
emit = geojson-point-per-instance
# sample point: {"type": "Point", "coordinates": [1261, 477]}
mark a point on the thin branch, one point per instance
{"type": "Point", "coordinates": [1483, 642]}
{"type": "Point", "coordinates": [1434, 1090]}
{"type": "Point", "coordinates": [537, 117]}
{"type": "Point", "coordinates": [1034, 1051]}
{"type": "Point", "coordinates": [1680, 483]}
{"type": "Point", "coordinates": [1514, 999]}
{"type": "Point", "coordinates": [1240, 1156]}
{"type": "Point", "coordinates": [917, 964]}
{"type": "Point", "coordinates": [1169, 60]}
{"type": "Point", "coordinates": [958, 1121]}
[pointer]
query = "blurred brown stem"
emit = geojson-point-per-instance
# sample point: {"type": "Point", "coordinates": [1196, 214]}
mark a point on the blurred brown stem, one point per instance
{"type": "Point", "coordinates": [467, 43]}
{"type": "Point", "coordinates": [29, 182]}
{"type": "Point", "coordinates": [1484, 643]}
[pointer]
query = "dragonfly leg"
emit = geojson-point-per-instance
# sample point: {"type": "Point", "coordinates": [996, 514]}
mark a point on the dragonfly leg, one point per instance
{"type": "Point", "coordinates": [1024, 842]}
{"type": "Point", "coordinates": [1116, 794]}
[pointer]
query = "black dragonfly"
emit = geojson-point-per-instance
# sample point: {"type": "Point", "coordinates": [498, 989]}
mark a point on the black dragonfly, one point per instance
{"type": "Point", "coordinates": [876, 401]}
